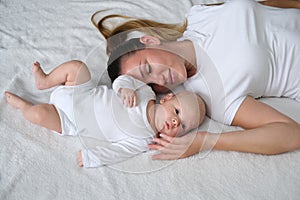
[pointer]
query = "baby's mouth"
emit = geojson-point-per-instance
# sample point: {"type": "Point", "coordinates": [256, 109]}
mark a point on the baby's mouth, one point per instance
{"type": "Point", "coordinates": [167, 125]}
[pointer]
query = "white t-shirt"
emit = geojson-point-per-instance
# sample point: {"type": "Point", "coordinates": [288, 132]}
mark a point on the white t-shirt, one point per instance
{"type": "Point", "coordinates": [243, 49]}
{"type": "Point", "coordinates": [109, 131]}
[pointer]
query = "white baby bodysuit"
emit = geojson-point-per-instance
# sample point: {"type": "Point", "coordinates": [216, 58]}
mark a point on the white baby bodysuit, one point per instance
{"type": "Point", "coordinates": [109, 131]}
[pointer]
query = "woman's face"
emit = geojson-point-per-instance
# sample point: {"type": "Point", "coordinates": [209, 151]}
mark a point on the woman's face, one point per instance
{"type": "Point", "coordinates": [155, 66]}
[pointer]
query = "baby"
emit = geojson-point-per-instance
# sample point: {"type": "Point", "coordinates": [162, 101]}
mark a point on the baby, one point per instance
{"type": "Point", "coordinates": [77, 107]}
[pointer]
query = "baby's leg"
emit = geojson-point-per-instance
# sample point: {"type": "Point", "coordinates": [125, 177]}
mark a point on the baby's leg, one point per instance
{"type": "Point", "coordinates": [69, 73]}
{"type": "Point", "coordinates": [44, 115]}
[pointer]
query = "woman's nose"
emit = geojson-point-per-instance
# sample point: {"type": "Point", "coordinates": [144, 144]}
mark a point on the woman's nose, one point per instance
{"type": "Point", "coordinates": [158, 78]}
{"type": "Point", "coordinates": [161, 81]}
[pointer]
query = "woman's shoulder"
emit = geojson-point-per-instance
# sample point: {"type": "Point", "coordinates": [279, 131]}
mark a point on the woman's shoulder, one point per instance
{"type": "Point", "coordinates": [202, 19]}
{"type": "Point", "coordinates": [218, 6]}
{"type": "Point", "coordinates": [204, 12]}
{"type": "Point", "coordinates": [196, 9]}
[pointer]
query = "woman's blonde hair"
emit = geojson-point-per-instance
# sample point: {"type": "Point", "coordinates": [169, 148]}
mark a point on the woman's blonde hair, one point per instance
{"type": "Point", "coordinates": [171, 32]}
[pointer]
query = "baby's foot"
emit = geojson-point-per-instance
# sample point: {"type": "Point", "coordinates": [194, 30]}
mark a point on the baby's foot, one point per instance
{"type": "Point", "coordinates": [16, 101]}
{"type": "Point", "coordinates": [39, 76]}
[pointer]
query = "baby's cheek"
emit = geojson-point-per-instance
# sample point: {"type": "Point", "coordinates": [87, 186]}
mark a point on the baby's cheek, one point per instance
{"type": "Point", "coordinates": [174, 132]}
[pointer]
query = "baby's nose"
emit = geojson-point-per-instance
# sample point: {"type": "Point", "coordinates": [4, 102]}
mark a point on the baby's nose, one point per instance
{"type": "Point", "coordinates": [175, 122]}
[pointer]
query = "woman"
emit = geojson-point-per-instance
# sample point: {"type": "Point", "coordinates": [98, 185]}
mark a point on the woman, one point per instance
{"type": "Point", "coordinates": [230, 55]}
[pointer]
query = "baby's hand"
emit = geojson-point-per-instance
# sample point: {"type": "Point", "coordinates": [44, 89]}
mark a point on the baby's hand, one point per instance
{"type": "Point", "coordinates": [128, 97]}
{"type": "Point", "coordinates": [79, 159]}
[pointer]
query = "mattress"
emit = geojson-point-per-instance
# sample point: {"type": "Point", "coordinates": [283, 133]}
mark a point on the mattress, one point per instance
{"type": "Point", "coordinates": [37, 164]}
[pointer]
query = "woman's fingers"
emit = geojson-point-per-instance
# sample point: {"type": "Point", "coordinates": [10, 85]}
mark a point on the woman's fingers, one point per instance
{"type": "Point", "coordinates": [165, 142]}
{"type": "Point", "coordinates": [174, 147]}
{"type": "Point", "coordinates": [162, 142]}
{"type": "Point", "coordinates": [164, 156]}
{"type": "Point", "coordinates": [157, 147]}
{"type": "Point", "coordinates": [167, 138]}
{"type": "Point", "coordinates": [167, 151]}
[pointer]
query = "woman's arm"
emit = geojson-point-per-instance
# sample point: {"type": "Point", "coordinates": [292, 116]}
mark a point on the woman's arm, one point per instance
{"type": "Point", "coordinates": [282, 3]}
{"type": "Point", "coordinates": [267, 132]}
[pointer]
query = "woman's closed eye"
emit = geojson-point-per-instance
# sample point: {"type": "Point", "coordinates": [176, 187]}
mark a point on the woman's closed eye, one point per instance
{"type": "Point", "coordinates": [148, 69]}
{"type": "Point", "coordinates": [145, 70]}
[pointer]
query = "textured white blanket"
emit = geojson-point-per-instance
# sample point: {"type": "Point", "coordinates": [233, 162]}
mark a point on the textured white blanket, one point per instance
{"type": "Point", "coordinates": [37, 164]}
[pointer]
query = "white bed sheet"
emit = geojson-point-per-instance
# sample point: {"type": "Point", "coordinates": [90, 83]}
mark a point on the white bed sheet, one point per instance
{"type": "Point", "coordinates": [37, 164]}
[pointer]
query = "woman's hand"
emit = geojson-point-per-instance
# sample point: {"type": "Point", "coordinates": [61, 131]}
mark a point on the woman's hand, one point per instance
{"type": "Point", "coordinates": [172, 148]}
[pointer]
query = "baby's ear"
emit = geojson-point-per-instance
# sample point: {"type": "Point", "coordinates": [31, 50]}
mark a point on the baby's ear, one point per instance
{"type": "Point", "coordinates": [166, 98]}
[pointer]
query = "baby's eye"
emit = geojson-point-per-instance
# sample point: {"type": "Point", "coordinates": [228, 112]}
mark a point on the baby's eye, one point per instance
{"type": "Point", "coordinates": [176, 111]}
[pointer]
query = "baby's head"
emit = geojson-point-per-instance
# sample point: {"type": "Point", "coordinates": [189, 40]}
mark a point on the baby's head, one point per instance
{"type": "Point", "coordinates": [180, 113]}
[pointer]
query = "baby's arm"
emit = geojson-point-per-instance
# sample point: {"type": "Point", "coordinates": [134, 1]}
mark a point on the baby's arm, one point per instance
{"type": "Point", "coordinates": [126, 87]}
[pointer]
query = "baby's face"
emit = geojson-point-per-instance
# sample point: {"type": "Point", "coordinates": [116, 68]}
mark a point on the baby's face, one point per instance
{"type": "Point", "coordinates": [177, 115]}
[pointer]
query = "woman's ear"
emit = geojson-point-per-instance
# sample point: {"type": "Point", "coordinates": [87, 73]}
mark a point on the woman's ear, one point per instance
{"type": "Point", "coordinates": [166, 98]}
{"type": "Point", "coordinates": [150, 40]}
